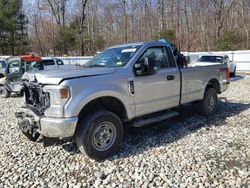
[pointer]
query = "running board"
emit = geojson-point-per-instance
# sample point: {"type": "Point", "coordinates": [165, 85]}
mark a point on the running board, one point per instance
{"type": "Point", "coordinates": [154, 119]}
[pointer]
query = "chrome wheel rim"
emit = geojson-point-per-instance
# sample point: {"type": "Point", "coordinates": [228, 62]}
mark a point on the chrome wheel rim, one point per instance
{"type": "Point", "coordinates": [104, 136]}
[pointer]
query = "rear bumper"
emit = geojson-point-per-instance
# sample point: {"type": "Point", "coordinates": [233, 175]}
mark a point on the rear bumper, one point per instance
{"type": "Point", "coordinates": [47, 126]}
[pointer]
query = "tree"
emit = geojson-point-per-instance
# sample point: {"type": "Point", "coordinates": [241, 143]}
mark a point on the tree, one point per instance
{"type": "Point", "coordinates": [193, 25]}
{"type": "Point", "coordinates": [58, 8]}
{"type": "Point", "coordinates": [168, 35]}
{"type": "Point", "coordinates": [82, 18]}
{"type": "Point", "coordinates": [222, 8]}
{"type": "Point", "coordinates": [230, 40]}
{"type": "Point", "coordinates": [13, 27]}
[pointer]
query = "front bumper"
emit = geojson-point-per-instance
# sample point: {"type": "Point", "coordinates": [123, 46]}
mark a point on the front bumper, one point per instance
{"type": "Point", "coordinates": [47, 126]}
{"type": "Point", "coordinates": [58, 127]}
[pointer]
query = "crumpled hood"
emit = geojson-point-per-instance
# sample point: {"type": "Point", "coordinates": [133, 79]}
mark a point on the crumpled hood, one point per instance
{"type": "Point", "coordinates": [54, 77]}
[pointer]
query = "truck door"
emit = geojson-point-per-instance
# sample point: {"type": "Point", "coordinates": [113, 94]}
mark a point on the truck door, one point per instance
{"type": "Point", "coordinates": [160, 90]}
{"type": "Point", "coordinates": [13, 75]}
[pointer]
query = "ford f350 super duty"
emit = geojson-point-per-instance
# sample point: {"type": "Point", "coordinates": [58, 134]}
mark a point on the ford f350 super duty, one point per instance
{"type": "Point", "coordinates": [136, 84]}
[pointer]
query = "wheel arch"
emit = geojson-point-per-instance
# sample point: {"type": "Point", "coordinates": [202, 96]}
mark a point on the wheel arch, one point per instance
{"type": "Point", "coordinates": [214, 83]}
{"type": "Point", "coordinates": [110, 103]}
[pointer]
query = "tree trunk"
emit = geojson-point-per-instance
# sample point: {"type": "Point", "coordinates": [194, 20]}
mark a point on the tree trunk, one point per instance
{"type": "Point", "coordinates": [12, 37]}
{"type": "Point", "coordinates": [187, 24]}
{"type": "Point", "coordinates": [125, 22]}
{"type": "Point", "coordinates": [83, 3]}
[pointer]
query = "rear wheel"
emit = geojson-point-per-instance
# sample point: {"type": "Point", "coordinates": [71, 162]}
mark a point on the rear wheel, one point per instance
{"type": "Point", "coordinates": [4, 93]}
{"type": "Point", "coordinates": [99, 134]}
{"type": "Point", "coordinates": [208, 105]}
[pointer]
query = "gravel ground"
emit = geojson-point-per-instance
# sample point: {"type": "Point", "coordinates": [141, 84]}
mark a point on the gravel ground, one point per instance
{"type": "Point", "coordinates": [187, 151]}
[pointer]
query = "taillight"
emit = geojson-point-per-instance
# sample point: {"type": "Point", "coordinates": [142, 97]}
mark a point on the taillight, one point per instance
{"type": "Point", "coordinates": [227, 74]}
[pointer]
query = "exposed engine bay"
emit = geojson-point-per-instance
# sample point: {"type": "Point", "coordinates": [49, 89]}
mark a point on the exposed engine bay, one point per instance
{"type": "Point", "coordinates": [35, 98]}
{"type": "Point", "coordinates": [36, 102]}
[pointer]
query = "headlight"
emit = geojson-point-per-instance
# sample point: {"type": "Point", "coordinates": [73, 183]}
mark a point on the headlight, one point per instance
{"type": "Point", "coordinates": [59, 95]}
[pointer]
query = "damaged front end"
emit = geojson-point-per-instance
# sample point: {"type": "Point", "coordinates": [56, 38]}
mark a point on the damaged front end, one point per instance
{"type": "Point", "coordinates": [28, 123]}
{"type": "Point", "coordinates": [43, 113]}
{"type": "Point", "coordinates": [35, 103]}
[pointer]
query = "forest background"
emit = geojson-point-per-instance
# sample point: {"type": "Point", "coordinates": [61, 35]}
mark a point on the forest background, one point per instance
{"type": "Point", "coordinates": [83, 27]}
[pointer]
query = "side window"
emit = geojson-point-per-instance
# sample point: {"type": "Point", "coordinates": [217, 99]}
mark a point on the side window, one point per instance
{"type": "Point", "coordinates": [227, 59]}
{"type": "Point", "coordinates": [59, 62]}
{"type": "Point", "coordinates": [158, 55]}
{"type": "Point", "coordinates": [48, 62]}
{"type": "Point", "coordinates": [14, 67]}
{"type": "Point", "coordinates": [171, 60]}
{"type": "Point", "coordinates": [2, 64]}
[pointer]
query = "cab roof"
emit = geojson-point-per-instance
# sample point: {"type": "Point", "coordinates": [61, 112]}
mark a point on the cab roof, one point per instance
{"type": "Point", "coordinates": [30, 58]}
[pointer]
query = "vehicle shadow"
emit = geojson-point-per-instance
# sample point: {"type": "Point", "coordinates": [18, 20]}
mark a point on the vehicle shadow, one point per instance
{"type": "Point", "coordinates": [237, 78]}
{"type": "Point", "coordinates": [139, 140]}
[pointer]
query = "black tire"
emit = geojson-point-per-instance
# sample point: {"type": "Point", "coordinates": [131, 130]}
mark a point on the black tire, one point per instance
{"type": "Point", "coordinates": [99, 134]}
{"type": "Point", "coordinates": [4, 93]}
{"type": "Point", "coordinates": [208, 105]}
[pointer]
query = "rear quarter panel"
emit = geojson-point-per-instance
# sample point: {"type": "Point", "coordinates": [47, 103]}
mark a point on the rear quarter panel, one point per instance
{"type": "Point", "coordinates": [195, 80]}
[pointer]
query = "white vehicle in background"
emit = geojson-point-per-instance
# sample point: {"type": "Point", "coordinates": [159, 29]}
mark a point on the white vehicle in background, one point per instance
{"type": "Point", "coordinates": [51, 63]}
{"type": "Point", "coordinates": [206, 60]}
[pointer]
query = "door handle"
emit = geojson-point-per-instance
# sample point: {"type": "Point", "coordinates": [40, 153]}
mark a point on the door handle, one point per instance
{"type": "Point", "coordinates": [170, 77]}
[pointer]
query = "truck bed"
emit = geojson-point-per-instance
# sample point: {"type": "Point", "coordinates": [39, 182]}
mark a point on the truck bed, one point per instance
{"type": "Point", "coordinates": [195, 79]}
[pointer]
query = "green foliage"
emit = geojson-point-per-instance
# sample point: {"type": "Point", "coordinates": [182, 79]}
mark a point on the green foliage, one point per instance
{"type": "Point", "coordinates": [92, 43]}
{"type": "Point", "coordinates": [99, 42]}
{"type": "Point", "coordinates": [230, 40]}
{"type": "Point", "coordinates": [169, 35]}
{"type": "Point", "coordinates": [13, 27]}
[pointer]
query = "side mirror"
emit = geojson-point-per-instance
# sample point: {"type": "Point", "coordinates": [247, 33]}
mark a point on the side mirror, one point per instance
{"type": "Point", "coordinates": [145, 66]}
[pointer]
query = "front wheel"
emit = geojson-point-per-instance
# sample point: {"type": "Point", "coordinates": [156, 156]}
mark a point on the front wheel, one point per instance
{"type": "Point", "coordinates": [4, 93]}
{"type": "Point", "coordinates": [208, 105]}
{"type": "Point", "coordinates": [99, 134]}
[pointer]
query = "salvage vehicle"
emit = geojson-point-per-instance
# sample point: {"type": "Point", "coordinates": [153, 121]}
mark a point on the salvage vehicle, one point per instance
{"type": "Point", "coordinates": [132, 84]}
{"type": "Point", "coordinates": [15, 68]}
{"type": "Point", "coordinates": [212, 59]}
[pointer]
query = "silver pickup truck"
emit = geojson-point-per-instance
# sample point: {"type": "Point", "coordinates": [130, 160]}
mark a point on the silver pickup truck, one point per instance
{"type": "Point", "coordinates": [135, 84]}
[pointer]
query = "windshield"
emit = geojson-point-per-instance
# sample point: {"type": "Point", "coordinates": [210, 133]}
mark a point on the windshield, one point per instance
{"type": "Point", "coordinates": [33, 66]}
{"type": "Point", "coordinates": [113, 57]}
{"type": "Point", "coordinates": [212, 59]}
